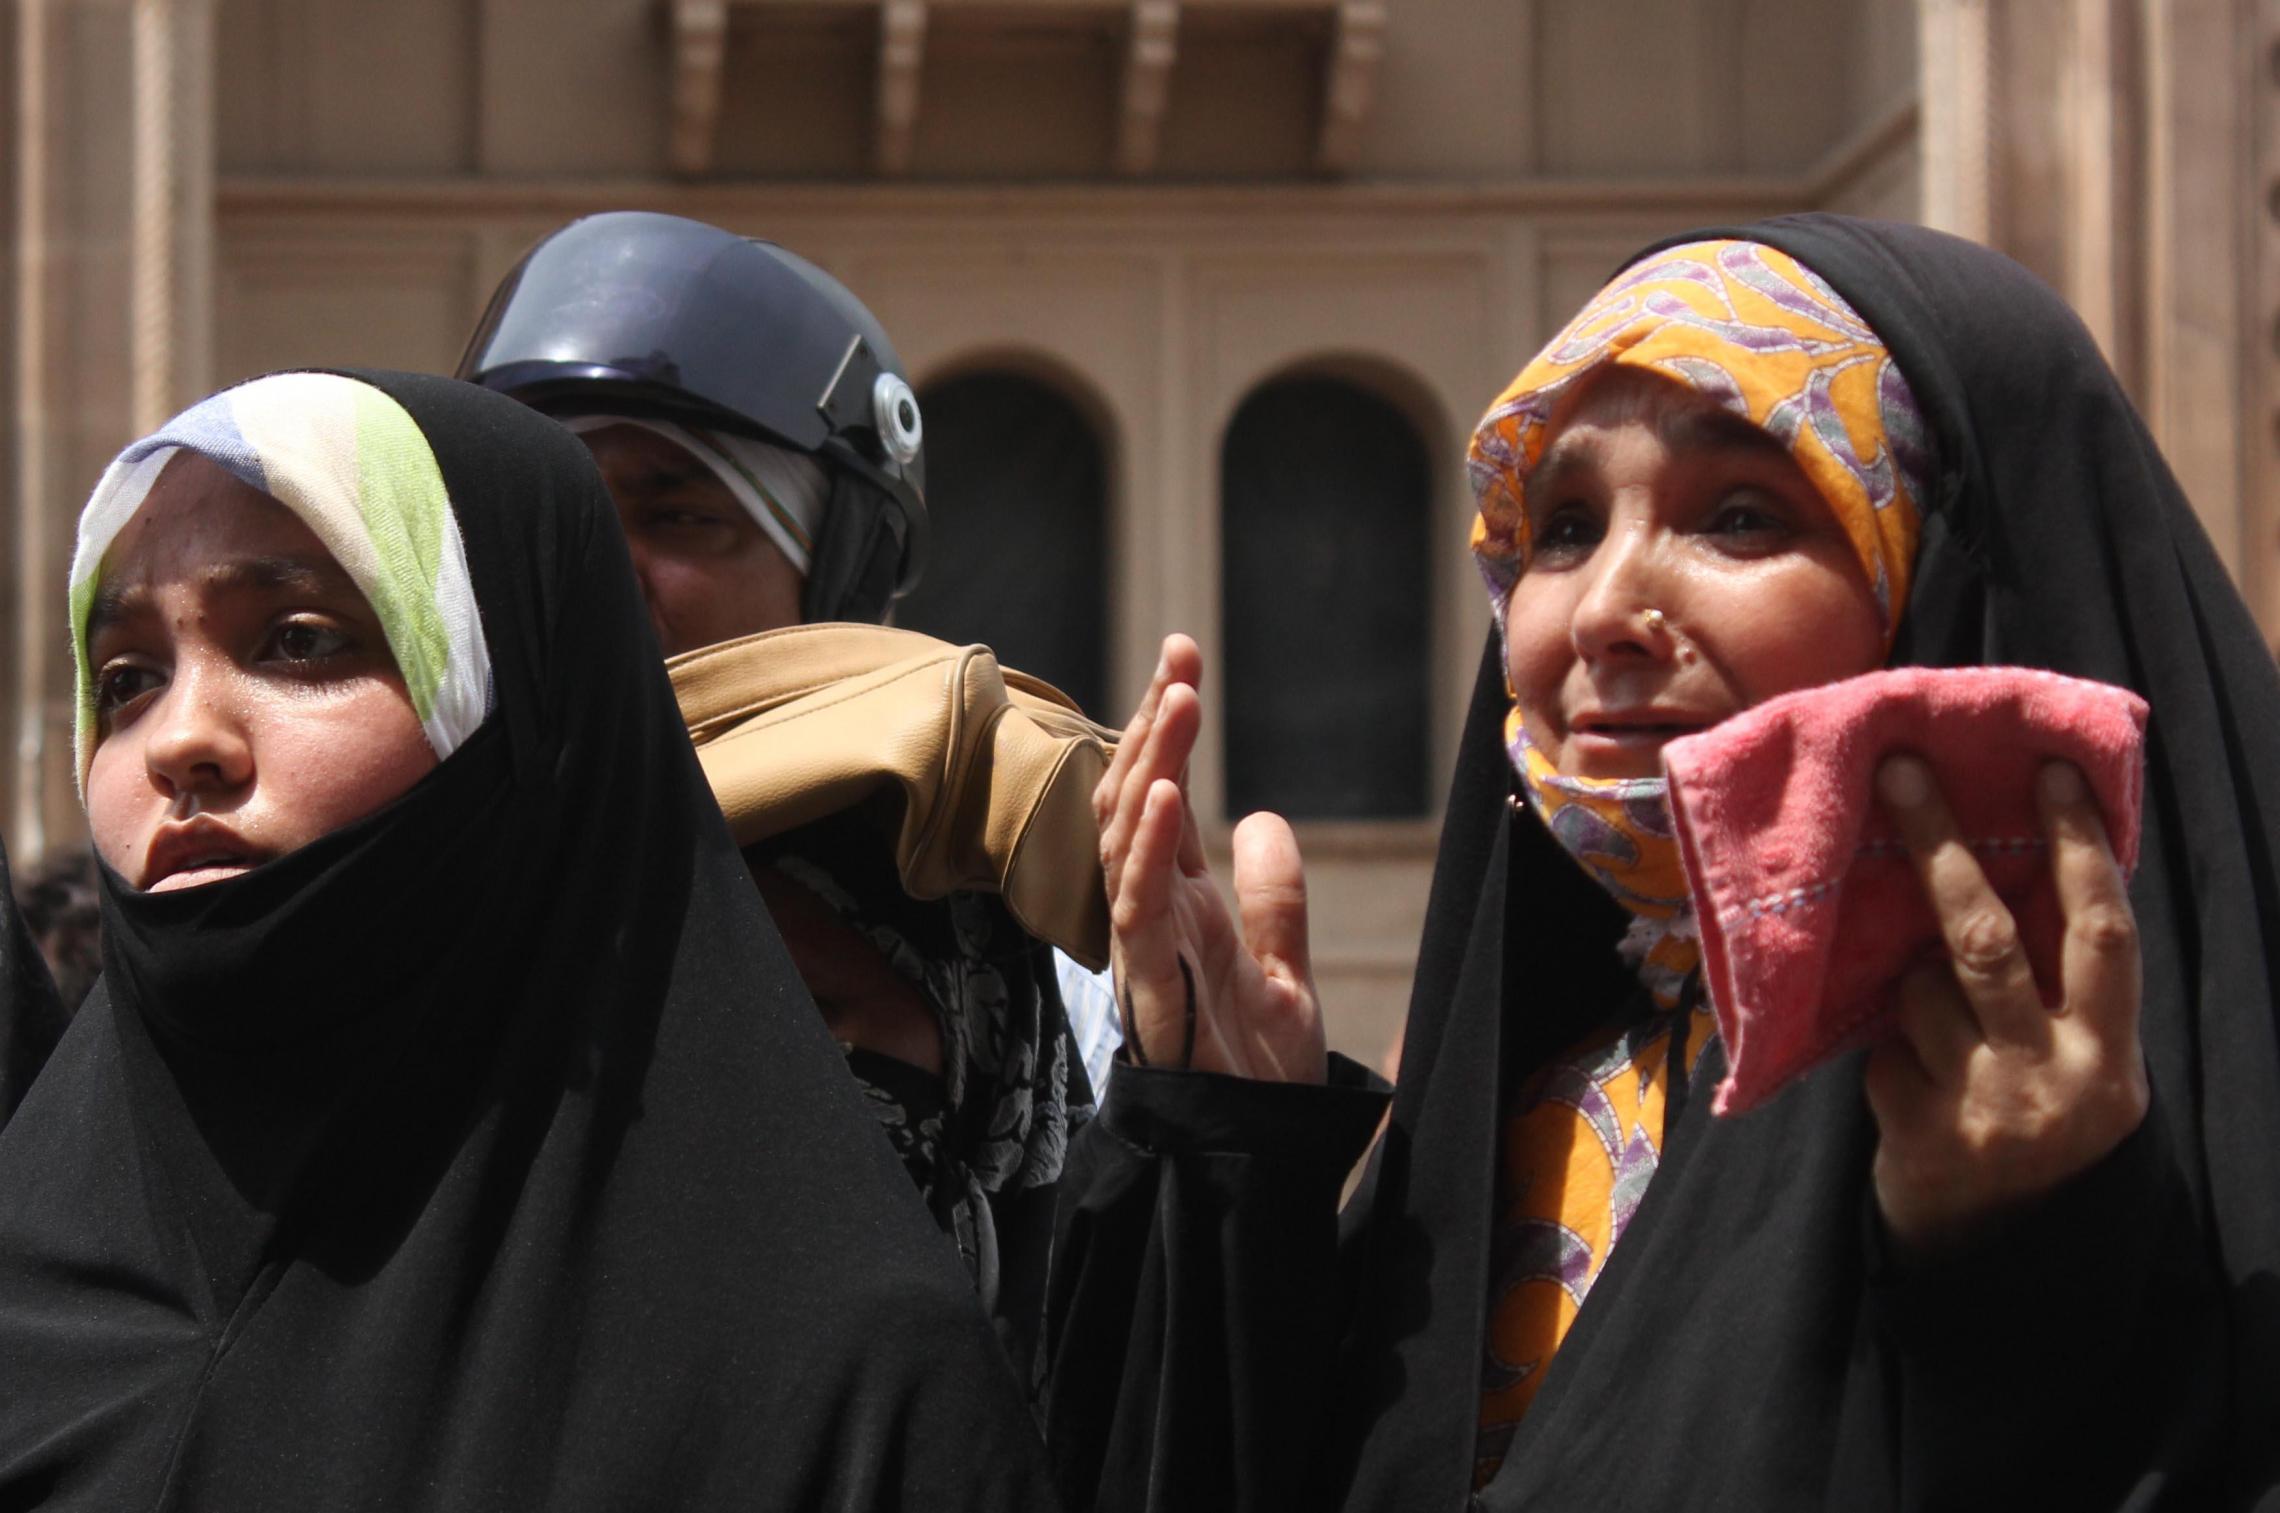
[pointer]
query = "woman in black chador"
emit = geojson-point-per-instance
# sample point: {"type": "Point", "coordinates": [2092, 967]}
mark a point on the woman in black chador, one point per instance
{"type": "Point", "coordinates": [2015, 1256]}
{"type": "Point", "coordinates": [449, 1129]}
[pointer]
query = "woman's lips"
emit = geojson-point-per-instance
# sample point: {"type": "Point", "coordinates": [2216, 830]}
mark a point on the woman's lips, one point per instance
{"type": "Point", "coordinates": [1627, 745]}
{"type": "Point", "coordinates": [195, 852]}
{"type": "Point", "coordinates": [1636, 730]}
{"type": "Point", "coordinates": [199, 874]}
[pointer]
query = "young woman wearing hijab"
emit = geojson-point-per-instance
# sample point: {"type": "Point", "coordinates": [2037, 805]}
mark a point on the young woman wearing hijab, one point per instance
{"type": "Point", "coordinates": [2013, 1257]}
{"type": "Point", "coordinates": [449, 1129]}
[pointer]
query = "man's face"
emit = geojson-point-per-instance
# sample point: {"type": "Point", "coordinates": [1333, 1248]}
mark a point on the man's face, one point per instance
{"type": "Point", "coordinates": [707, 570]}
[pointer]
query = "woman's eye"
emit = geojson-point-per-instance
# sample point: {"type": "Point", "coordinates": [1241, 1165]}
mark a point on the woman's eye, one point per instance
{"type": "Point", "coordinates": [1564, 535]}
{"type": "Point", "coordinates": [1747, 515]}
{"type": "Point", "coordinates": [120, 684]}
{"type": "Point", "coordinates": [308, 641]}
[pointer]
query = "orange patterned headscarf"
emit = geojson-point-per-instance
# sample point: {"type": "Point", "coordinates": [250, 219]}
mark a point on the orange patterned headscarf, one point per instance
{"type": "Point", "coordinates": [1761, 334]}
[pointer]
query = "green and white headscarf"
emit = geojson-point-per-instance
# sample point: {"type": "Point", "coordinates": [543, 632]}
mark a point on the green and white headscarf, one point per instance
{"type": "Point", "coordinates": [352, 464]}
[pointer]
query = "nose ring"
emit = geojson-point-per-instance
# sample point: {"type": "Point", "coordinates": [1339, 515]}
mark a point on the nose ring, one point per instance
{"type": "Point", "coordinates": [1655, 619]}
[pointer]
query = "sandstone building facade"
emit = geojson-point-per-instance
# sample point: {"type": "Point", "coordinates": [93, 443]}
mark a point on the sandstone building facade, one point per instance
{"type": "Point", "coordinates": [1171, 235]}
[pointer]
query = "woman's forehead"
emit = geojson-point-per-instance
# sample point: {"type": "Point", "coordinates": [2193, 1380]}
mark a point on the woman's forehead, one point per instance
{"type": "Point", "coordinates": [202, 526]}
{"type": "Point", "coordinates": [199, 509]}
{"type": "Point", "coordinates": [1686, 422]}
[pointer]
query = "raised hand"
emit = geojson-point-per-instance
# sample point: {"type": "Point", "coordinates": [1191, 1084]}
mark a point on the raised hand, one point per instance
{"type": "Point", "coordinates": [1182, 969]}
{"type": "Point", "coordinates": [1988, 1099]}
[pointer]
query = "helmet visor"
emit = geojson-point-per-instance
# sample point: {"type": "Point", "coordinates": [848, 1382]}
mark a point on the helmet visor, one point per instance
{"type": "Point", "coordinates": [668, 309]}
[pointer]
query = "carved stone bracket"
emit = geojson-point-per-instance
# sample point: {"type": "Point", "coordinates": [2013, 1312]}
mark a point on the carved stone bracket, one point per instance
{"type": "Point", "coordinates": [902, 51]}
{"type": "Point", "coordinates": [1357, 43]}
{"type": "Point", "coordinates": [700, 53]}
{"type": "Point", "coordinates": [1150, 31]}
{"type": "Point", "coordinates": [1149, 51]}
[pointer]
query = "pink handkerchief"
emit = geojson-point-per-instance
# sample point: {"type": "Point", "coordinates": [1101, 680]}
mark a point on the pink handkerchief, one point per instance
{"type": "Point", "coordinates": [1808, 905]}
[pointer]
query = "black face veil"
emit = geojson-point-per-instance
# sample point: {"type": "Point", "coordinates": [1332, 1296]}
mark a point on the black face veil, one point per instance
{"type": "Point", "coordinates": [487, 1152]}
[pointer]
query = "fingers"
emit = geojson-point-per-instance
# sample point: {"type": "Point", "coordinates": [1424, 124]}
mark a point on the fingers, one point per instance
{"type": "Point", "coordinates": [1155, 748]}
{"type": "Point", "coordinates": [1983, 1099]}
{"type": "Point", "coordinates": [1982, 939]}
{"type": "Point", "coordinates": [1270, 897]}
{"type": "Point", "coordinates": [2099, 962]}
{"type": "Point", "coordinates": [1178, 662]}
{"type": "Point", "coordinates": [1178, 654]}
{"type": "Point", "coordinates": [1179, 723]}
{"type": "Point", "coordinates": [1924, 1065]}
{"type": "Point", "coordinates": [1899, 1089]}
{"type": "Point", "coordinates": [1938, 1025]}
{"type": "Point", "coordinates": [1144, 926]}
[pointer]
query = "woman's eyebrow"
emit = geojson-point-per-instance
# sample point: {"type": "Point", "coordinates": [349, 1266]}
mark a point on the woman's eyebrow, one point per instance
{"type": "Point", "coordinates": [1563, 457]}
{"type": "Point", "coordinates": [316, 578]}
{"type": "Point", "coordinates": [1695, 429]}
{"type": "Point", "coordinates": [112, 604]}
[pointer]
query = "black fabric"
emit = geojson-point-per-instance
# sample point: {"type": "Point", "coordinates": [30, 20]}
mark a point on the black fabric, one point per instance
{"type": "Point", "coordinates": [486, 1153]}
{"type": "Point", "coordinates": [986, 1141]}
{"type": "Point", "coordinates": [1188, 1361]}
{"type": "Point", "coordinates": [32, 1017]}
{"type": "Point", "coordinates": [1749, 1346]}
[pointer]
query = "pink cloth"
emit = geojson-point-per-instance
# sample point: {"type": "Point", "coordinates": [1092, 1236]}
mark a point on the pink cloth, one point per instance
{"type": "Point", "coordinates": [1808, 905]}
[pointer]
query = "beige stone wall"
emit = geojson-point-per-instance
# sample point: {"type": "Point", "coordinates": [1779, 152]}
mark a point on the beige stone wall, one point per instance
{"type": "Point", "coordinates": [1159, 311]}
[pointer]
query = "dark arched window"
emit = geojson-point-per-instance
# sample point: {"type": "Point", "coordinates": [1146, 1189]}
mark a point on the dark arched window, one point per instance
{"type": "Point", "coordinates": [1016, 488]}
{"type": "Point", "coordinates": [1325, 530]}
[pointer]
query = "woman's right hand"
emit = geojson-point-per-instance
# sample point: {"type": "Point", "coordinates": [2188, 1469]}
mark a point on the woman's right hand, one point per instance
{"type": "Point", "coordinates": [1254, 1005]}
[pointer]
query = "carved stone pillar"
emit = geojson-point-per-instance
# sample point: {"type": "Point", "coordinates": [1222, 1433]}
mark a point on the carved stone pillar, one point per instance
{"type": "Point", "coordinates": [111, 226]}
{"type": "Point", "coordinates": [2262, 422]}
{"type": "Point", "coordinates": [2115, 148]}
{"type": "Point", "coordinates": [2031, 112]}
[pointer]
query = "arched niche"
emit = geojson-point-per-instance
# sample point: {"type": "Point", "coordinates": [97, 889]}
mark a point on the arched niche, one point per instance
{"type": "Point", "coordinates": [1326, 599]}
{"type": "Point", "coordinates": [1017, 494]}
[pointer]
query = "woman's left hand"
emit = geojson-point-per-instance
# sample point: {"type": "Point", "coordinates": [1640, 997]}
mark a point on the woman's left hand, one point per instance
{"type": "Point", "coordinates": [1987, 1099]}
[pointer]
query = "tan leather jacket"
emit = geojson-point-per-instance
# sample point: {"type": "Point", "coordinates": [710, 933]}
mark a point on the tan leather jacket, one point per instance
{"type": "Point", "coordinates": [993, 770]}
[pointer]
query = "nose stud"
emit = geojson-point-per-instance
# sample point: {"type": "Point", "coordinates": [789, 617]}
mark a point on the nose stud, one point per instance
{"type": "Point", "coordinates": [1658, 624]}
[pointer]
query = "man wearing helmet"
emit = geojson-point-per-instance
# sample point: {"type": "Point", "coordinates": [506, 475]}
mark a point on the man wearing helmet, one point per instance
{"type": "Point", "coordinates": [764, 449]}
{"type": "Point", "coordinates": [749, 414]}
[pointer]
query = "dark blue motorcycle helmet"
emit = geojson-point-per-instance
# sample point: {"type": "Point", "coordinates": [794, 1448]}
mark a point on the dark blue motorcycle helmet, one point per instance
{"type": "Point", "coordinates": [647, 314]}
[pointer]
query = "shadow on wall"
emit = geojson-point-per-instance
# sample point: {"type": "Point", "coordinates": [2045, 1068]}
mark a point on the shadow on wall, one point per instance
{"type": "Point", "coordinates": [1017, 492]}
{"type": "Point", "coordinates": [1326, 536]}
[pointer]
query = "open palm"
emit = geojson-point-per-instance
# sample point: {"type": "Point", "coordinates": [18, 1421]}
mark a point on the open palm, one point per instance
{"type": "Point", "coordinates": [1198, 990]}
